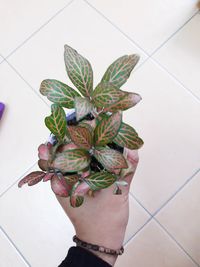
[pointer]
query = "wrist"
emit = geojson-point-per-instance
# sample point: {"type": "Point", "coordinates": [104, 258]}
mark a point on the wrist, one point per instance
{"type": "Point", "coordinates": [109, 241]}
{"type": "Point", "coordinates": [108, 250]}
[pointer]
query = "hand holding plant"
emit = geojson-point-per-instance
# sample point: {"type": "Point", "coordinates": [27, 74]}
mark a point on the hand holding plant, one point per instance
{"type": "Point", "coordinates": [104, 220]}
{"type": "Point", "coordinates": [85, 153]}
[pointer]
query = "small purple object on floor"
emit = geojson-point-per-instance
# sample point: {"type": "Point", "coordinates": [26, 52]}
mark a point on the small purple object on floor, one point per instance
{"type": "Point", "coordinates": [2, 106]}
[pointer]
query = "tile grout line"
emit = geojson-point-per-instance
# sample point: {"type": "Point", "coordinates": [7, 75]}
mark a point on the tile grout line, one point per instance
{"type": "Point", "coordinates": [164, 229]}
{"type": "Point", "coordinates": [27, 83]}
{"type": "Point", "coordinates": [14, 246]}
{"type": "Point", "coordinates": [20, 177]}
{"type": "Point", "coordinates": [116, 27]}
{"type": "Point", "coordinates": [174, 33]}
{"type": "Point", "coordinates": [175, 79]}
{"type": "Point", "coordinates": [138, 231]}
{"type": "Point", "coordinates": [169, 199]}
{"type": "Point", "coordinates": [177, 243]}
{"type": "Point", "coordinates": [140, 203]}
{"type": "Point", "coordinates": [152, 216]}
{"type": "Point", "coordinates": [40, 28]}
{"type": "Point", "coordinates": [150, 56]}
{"type": "Point", "coordinates": [176, 192]}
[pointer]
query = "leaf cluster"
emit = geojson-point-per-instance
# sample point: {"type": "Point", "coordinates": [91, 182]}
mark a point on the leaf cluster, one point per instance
{"type": "Point", "coordinates": [69, 166]}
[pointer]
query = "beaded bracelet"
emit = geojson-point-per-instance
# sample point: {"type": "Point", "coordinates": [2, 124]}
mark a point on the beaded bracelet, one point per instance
{"type": "Point", "coordinates": [97, 247]}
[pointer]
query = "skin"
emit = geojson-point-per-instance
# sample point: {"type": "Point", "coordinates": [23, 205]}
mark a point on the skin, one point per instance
{"type": "Point", "coordinates": [103, 220]}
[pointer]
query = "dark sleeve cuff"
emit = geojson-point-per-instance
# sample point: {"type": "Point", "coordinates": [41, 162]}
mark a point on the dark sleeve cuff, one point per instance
{"type": "Point", "coordinates": [80, 257]}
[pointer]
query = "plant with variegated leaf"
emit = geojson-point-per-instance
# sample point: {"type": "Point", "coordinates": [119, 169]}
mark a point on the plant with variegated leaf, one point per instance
{"type": "Point", "coordinates": [85, 149]}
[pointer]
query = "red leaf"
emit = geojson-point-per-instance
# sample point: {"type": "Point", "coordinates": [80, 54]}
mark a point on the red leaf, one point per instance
{"type": "Point", "coordinates": [48, 176]}
{"type": "Point", "coordinates": [43, 164]}
{"type": "Point", "coordinates": [81, 136]}
{"type": "Point", "coordinates": [32, 178]}
{"type": "Point", "coordinates": [59, 186]}
{"type": "Point", "coordinates": [44, 151]}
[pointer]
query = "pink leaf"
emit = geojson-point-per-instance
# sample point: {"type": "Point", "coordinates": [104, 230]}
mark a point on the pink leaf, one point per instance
{"type": "Point", "coordinates": [43, 164]}
{"type": "Point", "coordinates": [62, 148]}
{"type": "Point", "coordinates": [48, 176]}
{"type": "Point", "coordinates": [44, 151]}
{"type": "Point", "coordinates": [59, 186]}
{"type": "Point", "coordinates": [81, 189]}
{"type": "Point", "coordinates": [32, 178]}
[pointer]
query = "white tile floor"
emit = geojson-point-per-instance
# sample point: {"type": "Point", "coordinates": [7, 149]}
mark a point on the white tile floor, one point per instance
{"type": "Point", "coordinates": [164, 201]}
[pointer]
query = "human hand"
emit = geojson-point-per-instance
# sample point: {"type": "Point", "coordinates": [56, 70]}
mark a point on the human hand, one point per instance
{"type": "Point", "coordinates": [103, 221]}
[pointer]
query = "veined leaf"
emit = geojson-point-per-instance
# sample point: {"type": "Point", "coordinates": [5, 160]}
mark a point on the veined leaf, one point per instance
{"type": "Point", "coordinates": [87, 125]}
{"type": "Point", "coordinates": [130, 170]}
{"type": "Point", "coordinates": [75, 199]}
{"type": "Point", "coordinates": [32, 178]}
{"type": "Point", "coordinates": [79, 71]}
{"type": "Point", "coordinates": [71, 160]}
{"type": "Point", "coordinates": [110, 158]}
{"type": "Point", "coordinates": [58, 93]}
{"type": "Point", "coordinates": [100, 180]}
{"type": "Point", "coordinates": [107, 129]}
{"type": "Point", "coordinates": [129, 100]}
{"type": "Point", "coordinates": [60, 186]}
{"type": "Point", "coordinates": [128, 137]}
{"type": "Point", "coordinates": [71, 179]}
{"type": "Point", "coordinates": [81, 136]}
{"type": "Point", "coordinates": [105, 94]}
{"type": "Point", "coordinates": [119, 71]}
{"type": "Point", "coordinates": [83, 106]}
{"type": "Point", "coordinates": [56, 123]}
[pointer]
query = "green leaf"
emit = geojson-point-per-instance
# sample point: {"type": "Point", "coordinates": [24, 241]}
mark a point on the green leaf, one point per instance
{"type": "Point", "coordinates": [58, 93]}
{"type": "Point", "coordinates": [71, 160]}
{"type": "Point", "coordinates": [82, 107]}
{"type": "Point", "coordinates": [106, 94]}
{"type": "Point", "coordinates": [107, 129]}
{"type": "Point", "coordinates": [81, 136]}
{"type": "Point", "coordinates": [110, 158]}
{"type": "Point", "coordinates": [119, 71]}
{"type": "Point", "coordinates": [56, 123]}
{"type": "Point", "coordinates": [76, 200]}
{"type": "Point", "coordinates": [100, 180]}
{"type": "Point", "coordinates": [128, 137]}
{"type": "Point", "coordinates": [71, 179]}
{"type": "Point", "coordinates": [129, 100]}
{"type": "Point", "coordinates": [79, 71]}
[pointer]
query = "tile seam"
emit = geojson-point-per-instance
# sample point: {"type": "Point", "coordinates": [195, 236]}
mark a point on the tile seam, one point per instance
{"type": "Point", "coordinates": [150, 55]}
{"type": "Point", "coordinates": [38, 29]}
{"type": "Point", "coordinates": [14, 183]}
{"type": "Point", "coordinates": [14, 246]}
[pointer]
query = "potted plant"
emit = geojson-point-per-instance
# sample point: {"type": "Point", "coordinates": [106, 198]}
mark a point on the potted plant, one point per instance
{"type": "Point", "coordinates": [85, 150]}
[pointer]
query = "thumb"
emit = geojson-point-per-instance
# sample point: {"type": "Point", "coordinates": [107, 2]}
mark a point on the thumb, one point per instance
{"type": "Point", "coordinates": [132, 159]}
